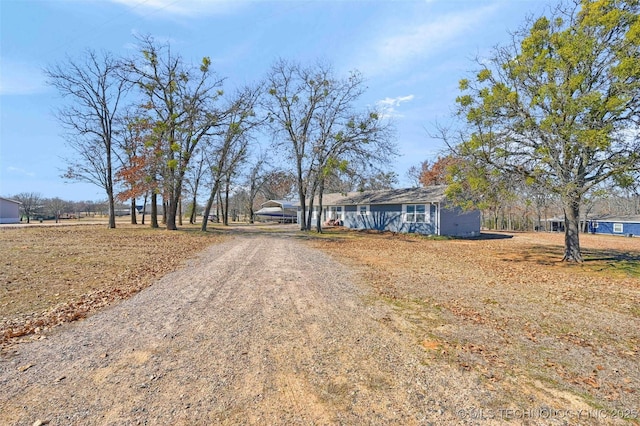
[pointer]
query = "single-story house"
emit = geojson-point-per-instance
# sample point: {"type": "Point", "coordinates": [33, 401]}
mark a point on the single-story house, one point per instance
{"type": "Point", "coordinates": [9, 211]}
{"type": "Point", "coordinates": [616, 225]}
{"type": "Point", "coordinates": [554, 224]}
{"type": "Point", "coordinates": [278, 210]}
{"type": "Point", "coordinates": [411, 210]}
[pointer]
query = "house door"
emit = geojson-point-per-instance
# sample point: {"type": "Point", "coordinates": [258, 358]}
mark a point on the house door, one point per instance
{"type": "Point", "coordinates": [335, 212]}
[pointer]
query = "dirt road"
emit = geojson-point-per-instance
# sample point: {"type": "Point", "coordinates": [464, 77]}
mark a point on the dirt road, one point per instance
{"type": "Point", "coordinates": [258, 330]}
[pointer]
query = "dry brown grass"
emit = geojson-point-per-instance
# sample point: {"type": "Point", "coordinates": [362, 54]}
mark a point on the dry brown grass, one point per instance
{"type": "Point", "coordinates": [532, 327]}
{"type": "Point", "coordinates": [54, 274]}
{"type": "Point", "coordinates": [507, 308]}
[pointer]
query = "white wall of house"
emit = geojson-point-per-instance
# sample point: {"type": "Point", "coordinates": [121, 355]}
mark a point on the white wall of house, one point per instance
{"type": "Point", "coordinates": [9, 211]}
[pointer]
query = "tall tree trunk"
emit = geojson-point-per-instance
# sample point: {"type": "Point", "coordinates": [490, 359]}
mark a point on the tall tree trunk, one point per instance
{"type": "Point", "coordinates": [303, 201]}
{"type": "Point", "coordinates": [112, 210]}
{"type": "Point", "coordinates": [180, 211]}
{"type": "Point", "coordinates": [572, 229]}
{"type": "Point", "coordinates": [207, 208]}
{"type": "Point", "coordinates": [205, 214]}
{"type": "Point", "coordinates": [251, 211]}
{"type": "Point", "coordinates": [303, 212]}
{"type": "Point", "coordinates": [226, 202]}
{"type": "Point", "coordinates": [319, 215]}
{"type": "Point", "coordinates": [164, 211]}
{"type": "Point", "coordinates": [307, 226]}
{"type": "Point", "coordinates": [134, 211]}
{"type": "Point", "coordinates": [154, 210]}
{"type": "Point", "coordinates": [144, 207]}
{"type": "Point", "coordinates": [218, 204]}
{"type": "Point", "coordinates": [110, 196]}
{"type": "Point", "coordinates": [171, 211]}
{"type": "Point", "coordinates": [172, 206]}
{"type": "Point", "coordinates": [313, 191]}
{"type": "Point", "coordinates": [194, 204]}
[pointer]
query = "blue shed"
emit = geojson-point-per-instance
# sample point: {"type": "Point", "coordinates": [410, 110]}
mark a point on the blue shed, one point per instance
{"type": "Point", "coordinates": [616, 225]}
{"type": "Point", "coordinates": [410, 210]}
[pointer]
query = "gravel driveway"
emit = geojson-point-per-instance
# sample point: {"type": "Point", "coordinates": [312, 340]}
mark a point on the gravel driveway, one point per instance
{"type": "Point", "coordinates": [258, 330]}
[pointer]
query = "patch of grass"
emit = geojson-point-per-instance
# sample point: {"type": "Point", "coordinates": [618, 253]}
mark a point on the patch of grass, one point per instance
{"type": "Point", "coordinates": [509, 308]}
{"type": "Point", "coordinates": [605, 262]}
{"type": "Point", "coordinates": [620, 268]}
{"type": "Point", "coordinates": [46, 270]}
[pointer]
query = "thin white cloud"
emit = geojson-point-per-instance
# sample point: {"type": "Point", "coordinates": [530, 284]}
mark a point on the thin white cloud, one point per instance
{"type": "Point", "coordinates": [388, 105]}
{"type": "Point", "coordinates": [183, 8]}
{"type": "Point", "coordinates": [394, 102]}
{"type": "Point", "coordinates": [402, 44]}
{"type": "Point", "coordinates": [17, 78]}
{"type": "Point", "coordinates": [20, 172]}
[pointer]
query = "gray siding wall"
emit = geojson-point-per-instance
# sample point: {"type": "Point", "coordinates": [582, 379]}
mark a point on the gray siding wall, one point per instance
{"type": "Point", "coordinates": [386, 218]}
{"type": "Point", "coordinates": [453, 222]}
{"type": "Point", "coordinates": [9, 212]}
{"type": "Point", "coordinates": [458, 223]}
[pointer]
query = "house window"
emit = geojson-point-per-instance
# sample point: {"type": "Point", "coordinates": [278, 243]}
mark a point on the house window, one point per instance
{"type": "Point", "coordinates": [363, 210]}
{"type": "Point", "coordinates": [415, 213]}
{"type": "Point", "coordinates": [617, 227]}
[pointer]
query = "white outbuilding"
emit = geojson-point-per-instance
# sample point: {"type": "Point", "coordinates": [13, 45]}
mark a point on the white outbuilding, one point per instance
{"type": "Point", "coordinates": [9, 211]}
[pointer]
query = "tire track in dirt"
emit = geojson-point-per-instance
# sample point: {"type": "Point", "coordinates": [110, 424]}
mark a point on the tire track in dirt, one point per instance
{"type": "Point", "coordinates": [257, 330]}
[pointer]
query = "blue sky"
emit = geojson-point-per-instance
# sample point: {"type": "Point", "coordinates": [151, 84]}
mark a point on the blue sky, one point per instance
{"type": "Point", "coordinates": [412, 54]}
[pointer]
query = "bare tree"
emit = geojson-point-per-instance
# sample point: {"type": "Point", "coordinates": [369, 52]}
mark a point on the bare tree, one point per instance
{"type": "Point", "coordinates": [376, 181]}
{"type": "Point", "coordinates": [194, 179]}
{"type": "Point", "coordinates": [95, 88]}
{"type": "Point", "coordinates": [313, 116]}
{"type": "Point", "coordinates": [31, 202]}
{"type": "Point", "coordinates": [255, 181]}
{"type": "Point", "coordinates": [278, 185]}
{"type": "Point", "coordinates": [229, 150]}
{"type": "Point", "coordinates": [266, 184]}
{"type": "Point", "coordinates": [55, 207]}
{"type": "Point", "coordinates": [413, 174]}
{"type": "Point", "coordinates": [295, 94]}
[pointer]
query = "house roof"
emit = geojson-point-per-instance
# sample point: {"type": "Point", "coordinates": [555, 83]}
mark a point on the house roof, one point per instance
{"type": "Point", "coordinates": [9, 200]}
{"type": "Point", "coordinates": [628, 218]}
{"type": "Point", "coordinates": [430, 194]}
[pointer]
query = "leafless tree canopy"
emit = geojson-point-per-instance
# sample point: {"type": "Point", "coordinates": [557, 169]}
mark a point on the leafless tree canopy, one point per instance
{"type": "Point", "coordinates": [95, 88]}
